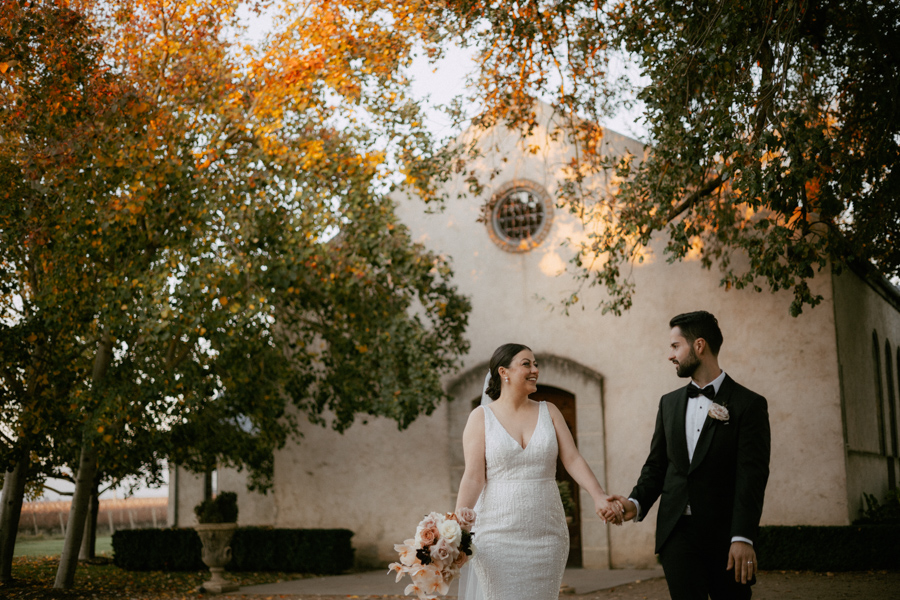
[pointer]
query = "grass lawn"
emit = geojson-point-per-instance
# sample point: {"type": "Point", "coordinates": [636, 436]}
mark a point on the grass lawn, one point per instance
{"type": "Point", "coordinates": [41, 546]}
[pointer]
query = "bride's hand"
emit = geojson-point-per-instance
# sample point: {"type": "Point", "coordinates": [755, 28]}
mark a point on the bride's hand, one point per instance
{"type": "Point", "coordinates": [610, 510]}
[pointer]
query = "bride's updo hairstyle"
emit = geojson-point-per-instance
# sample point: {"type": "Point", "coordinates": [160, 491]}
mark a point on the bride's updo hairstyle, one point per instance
{"type": "Point", "coordinates": [502, 358]}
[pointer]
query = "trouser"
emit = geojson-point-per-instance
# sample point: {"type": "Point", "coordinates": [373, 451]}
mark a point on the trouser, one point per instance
{"type": "Point", "coordinates": [696, 564]}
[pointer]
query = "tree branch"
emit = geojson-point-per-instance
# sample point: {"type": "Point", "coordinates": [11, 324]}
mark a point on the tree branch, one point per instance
{"type": "Point", "coordinates": [708, 188]}
{"type": "Point", "coordinates": [55, 491]}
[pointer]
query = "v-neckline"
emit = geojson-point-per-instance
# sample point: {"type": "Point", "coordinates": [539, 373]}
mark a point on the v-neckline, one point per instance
{"type": "Point", "coordinates": [509, 435]}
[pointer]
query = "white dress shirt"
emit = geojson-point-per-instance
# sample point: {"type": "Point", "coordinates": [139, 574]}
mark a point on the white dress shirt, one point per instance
{"type": "Point", "coordinates": [694, 418]}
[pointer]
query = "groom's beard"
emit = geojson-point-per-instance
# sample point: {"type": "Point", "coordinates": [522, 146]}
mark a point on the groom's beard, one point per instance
{"type": "Point", "coordinates": [689, 366]}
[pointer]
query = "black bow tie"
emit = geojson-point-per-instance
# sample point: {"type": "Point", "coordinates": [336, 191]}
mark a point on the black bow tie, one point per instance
{"type": "Point", "coordinates": [693, 391]}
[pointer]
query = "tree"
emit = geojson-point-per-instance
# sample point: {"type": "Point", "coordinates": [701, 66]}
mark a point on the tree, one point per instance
{"type": "Point", "coordinates": [207, 231]}
{"type": "Point", "coordinates": [773, 128]}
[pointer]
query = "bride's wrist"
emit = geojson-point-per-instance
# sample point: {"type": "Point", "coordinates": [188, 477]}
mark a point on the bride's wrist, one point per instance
{"type": "Point", "coordinates": [599, 500]}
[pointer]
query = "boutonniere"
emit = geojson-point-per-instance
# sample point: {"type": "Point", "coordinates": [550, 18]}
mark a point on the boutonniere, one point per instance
{"type": "Point", "coordinates": [719, 413]}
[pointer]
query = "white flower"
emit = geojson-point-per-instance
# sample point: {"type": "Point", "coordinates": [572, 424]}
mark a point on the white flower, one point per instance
{"type": "Point", "coordinates": [719, 412]}
{"type": "Point", "coordinates": [450, 531]}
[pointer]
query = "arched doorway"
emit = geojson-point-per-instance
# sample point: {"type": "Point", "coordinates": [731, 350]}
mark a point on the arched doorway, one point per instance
{"type": "Point", "coordinates": [565, 402]}
{"type": "Point", "coordinates": [574, 388]}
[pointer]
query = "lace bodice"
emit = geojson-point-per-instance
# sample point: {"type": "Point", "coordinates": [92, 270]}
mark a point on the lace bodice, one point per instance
{"type": "Point", "coordinates": [506, 460]}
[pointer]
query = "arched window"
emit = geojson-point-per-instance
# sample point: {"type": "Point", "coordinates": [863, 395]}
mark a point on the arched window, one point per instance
{"type": "Point", "coordinates": [879, 393]}
{"type": "Point", "coordinates": [891, 399]}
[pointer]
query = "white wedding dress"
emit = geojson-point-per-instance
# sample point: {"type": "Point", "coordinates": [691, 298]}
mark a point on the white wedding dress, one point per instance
{"type": "Point", "coordinates": [521, 538]}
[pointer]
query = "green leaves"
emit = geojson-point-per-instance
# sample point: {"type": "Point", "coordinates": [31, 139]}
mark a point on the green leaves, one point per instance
{"type": "Point", "coordinates": [216, 215]}
{"type": "Point", "coordinates": [772, 129]}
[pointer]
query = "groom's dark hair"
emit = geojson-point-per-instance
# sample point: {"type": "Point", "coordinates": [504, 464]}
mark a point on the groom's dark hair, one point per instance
{"type": "Point", "coordinates": [699, 324]}
{"type": "Point", "coordinates": [502, 358]}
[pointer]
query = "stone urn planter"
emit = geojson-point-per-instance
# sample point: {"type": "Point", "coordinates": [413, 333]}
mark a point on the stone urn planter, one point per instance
{"type": "Point", "coordinates": [216, 538]}
{"type": "Point", "coordinates": [217, 523]}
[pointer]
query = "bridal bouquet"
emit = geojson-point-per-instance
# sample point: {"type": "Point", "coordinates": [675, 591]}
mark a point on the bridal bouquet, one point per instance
{"type": "Point", "coordinates": [443, 544]}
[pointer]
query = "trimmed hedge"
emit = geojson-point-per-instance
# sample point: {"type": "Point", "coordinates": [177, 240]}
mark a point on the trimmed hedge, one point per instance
{"type": "Point", "coordinates": [157, 550]}
{"type": "Point", "coordinates": [809, 548]}
{"type": "Point", "coordinates": [320, 551]}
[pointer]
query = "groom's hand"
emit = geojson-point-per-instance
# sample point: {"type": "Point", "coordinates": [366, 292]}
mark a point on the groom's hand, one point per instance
{"type": "Point", "coordinates": [609, 510]}
{"type": "Point", "coordinates": [742, 558]}
{"type": "Point", "coordinates": [628, 507]}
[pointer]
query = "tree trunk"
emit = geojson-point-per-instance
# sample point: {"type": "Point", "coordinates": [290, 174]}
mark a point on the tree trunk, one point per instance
{"type": "Point", "coordinates": [89, 541]}
{"type": "Point", "coordinates": [81, 499]}
{"type": "Point", "coordinates": [85, 486]}
{"type": "Point", "coordinates": [10, 512]}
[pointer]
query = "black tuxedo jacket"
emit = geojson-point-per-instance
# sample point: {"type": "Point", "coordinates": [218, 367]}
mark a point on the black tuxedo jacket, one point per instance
{"type": "Point", "coordinates": [725, 482]}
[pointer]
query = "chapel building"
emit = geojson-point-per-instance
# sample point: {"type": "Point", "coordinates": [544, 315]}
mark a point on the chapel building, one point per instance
{"type": "Point", "coordinates": [830, 376]}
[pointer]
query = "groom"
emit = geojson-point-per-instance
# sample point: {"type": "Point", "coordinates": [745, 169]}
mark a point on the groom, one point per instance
{"type": "Point", "coordinates": [708, 465]}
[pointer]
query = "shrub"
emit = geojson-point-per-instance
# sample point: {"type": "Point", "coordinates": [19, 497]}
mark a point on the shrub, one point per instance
{"type": "Point", "coordinates": [157, 550]}
{"type": "Point", "coordinates": [875, 513]}
{"type": "Point", "coordinates": [810, 548]}
{"type": "Point", "coordinates": [221, 509]}
{"type": "Point", "coordinates": [565, 494]}
{"type": "Point", "coordinates": [319, 551]}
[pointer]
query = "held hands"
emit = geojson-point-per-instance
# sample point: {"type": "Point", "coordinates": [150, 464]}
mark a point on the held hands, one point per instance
{"type": "Point", "coordinates": [609, 510]}
{"type": "Point", "coordinates": [742, 558]}
{"type": "Point", "coordinates": [629, 510]}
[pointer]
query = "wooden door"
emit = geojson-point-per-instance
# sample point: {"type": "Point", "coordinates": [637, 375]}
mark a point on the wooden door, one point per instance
{"type": "Point", "coordinates": [565, 402]}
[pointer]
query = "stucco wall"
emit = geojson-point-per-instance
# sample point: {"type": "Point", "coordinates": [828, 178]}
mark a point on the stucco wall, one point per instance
{"type": "Point", "coordinates": [866, 318]}
{"type": "Point", "coordinates": [186, 492]}
{"type": "Point", "coordinates": [375, 480]}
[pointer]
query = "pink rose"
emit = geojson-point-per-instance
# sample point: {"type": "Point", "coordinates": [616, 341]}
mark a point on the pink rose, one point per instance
{"type": "Point", "coordinates": [466, 518]}
{"type": "Point", "coordinates": [450, 573]}
{"type": "Point", "coordinates": [429, 529]}
{"type": "Point", "coordinates": [425, 536]}
{"type": "Point", "coordinates": [718, 412]}
{"type": "Point", "coordinates": [442, 553]}
{"type": "Point", "coordinates": [461, 559]}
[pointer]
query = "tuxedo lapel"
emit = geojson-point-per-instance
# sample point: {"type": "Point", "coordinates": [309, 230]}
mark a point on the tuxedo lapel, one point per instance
{"type": "Point", "coordinates": [706, 436]}
{"type": "Point", "coordinates": [679, 438]}
{"type": "Point", "coordinates": [709, 429]}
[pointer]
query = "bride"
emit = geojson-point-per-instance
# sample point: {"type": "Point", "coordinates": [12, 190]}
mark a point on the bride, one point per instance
{"type": "Point", "coordinates": [510, 447]}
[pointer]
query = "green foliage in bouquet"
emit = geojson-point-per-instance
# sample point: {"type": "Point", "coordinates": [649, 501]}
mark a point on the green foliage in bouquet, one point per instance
{"type": "Point", "coordinates": [221, 509]}
{"type": "Point", "coordinates": [881, 514]}
{"type": "Point", "coordinates": [465, 543]}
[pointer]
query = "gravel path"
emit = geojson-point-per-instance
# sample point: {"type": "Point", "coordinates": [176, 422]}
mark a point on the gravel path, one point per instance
{"type": "Point", "coordinates": [772, 585]}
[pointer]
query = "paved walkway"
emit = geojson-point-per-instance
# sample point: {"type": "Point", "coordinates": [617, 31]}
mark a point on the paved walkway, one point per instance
{"type": "Point", "coordinates": [380, 583]}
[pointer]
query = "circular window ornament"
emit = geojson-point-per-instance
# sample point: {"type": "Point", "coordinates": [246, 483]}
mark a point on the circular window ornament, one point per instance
{"type": "Point", "coordinates": [520, 215]}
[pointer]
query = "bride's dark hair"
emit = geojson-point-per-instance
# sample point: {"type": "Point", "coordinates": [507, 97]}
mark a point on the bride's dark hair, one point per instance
{"type": "Point", "coordinates": [502, 358]}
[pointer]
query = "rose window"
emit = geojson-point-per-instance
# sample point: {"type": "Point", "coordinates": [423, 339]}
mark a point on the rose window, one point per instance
{"type": "Point", "coordinates": [520, 216]}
